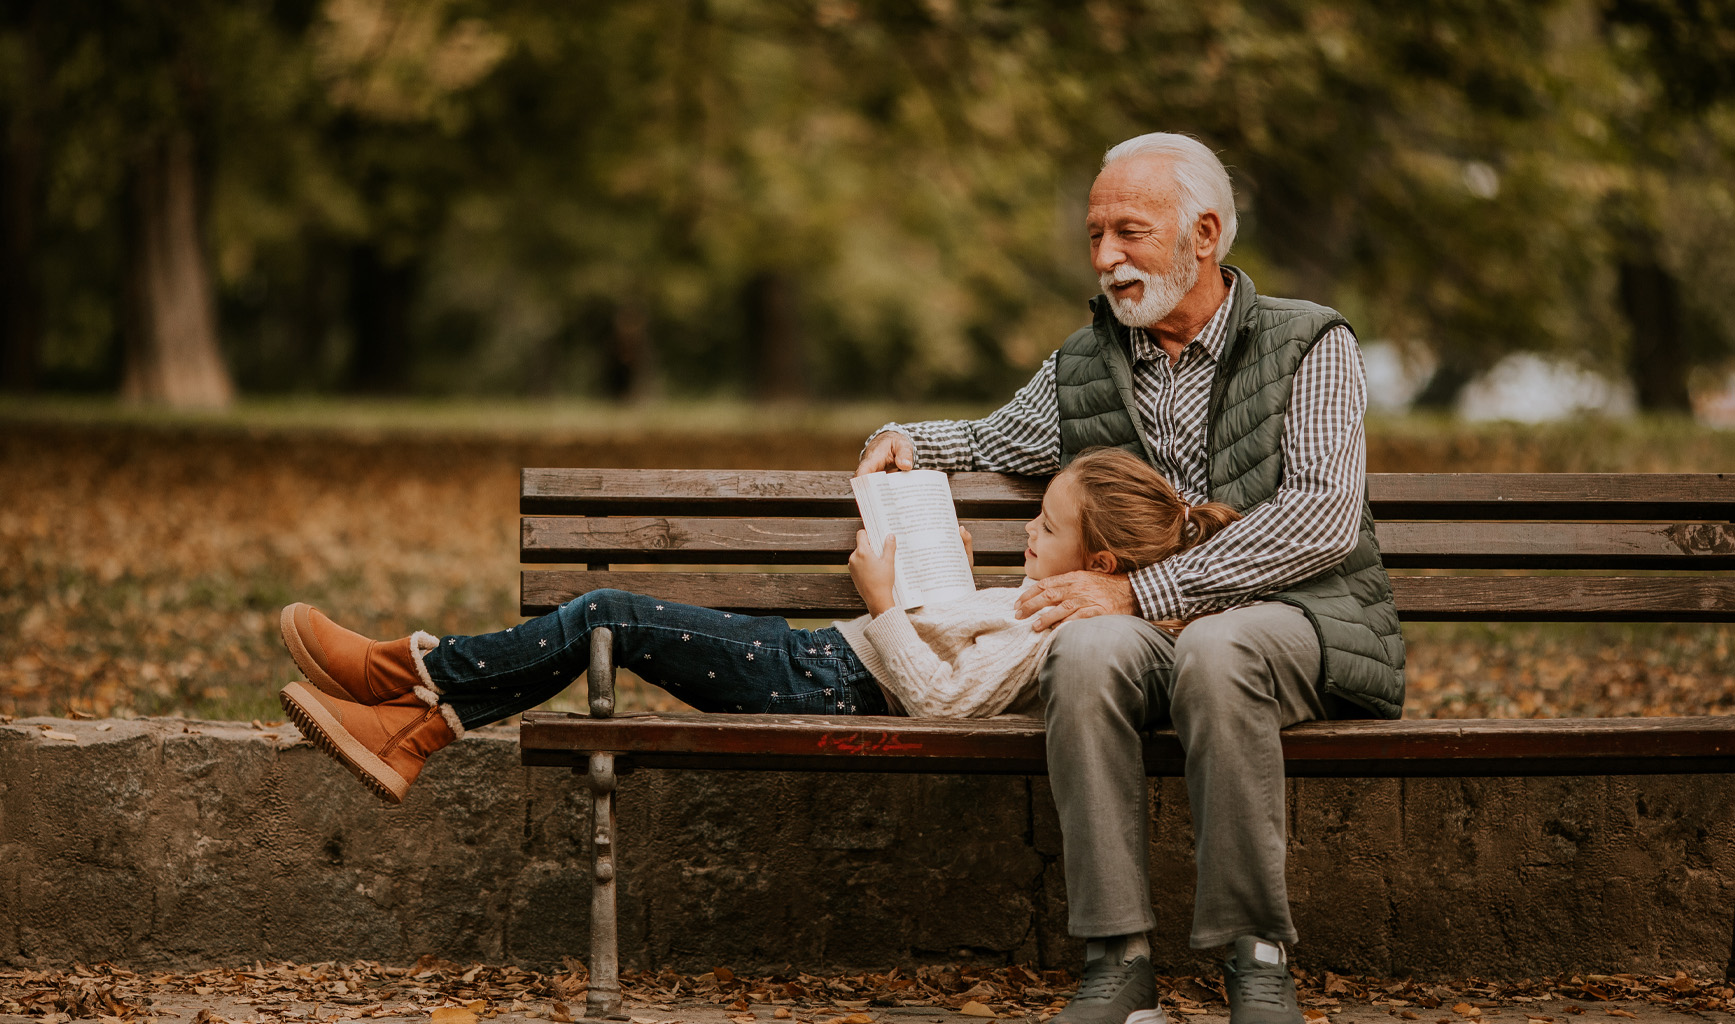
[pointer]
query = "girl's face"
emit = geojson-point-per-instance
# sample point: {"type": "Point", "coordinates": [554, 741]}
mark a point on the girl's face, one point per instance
{"type": "Point", "coordinates": [1056, 543]}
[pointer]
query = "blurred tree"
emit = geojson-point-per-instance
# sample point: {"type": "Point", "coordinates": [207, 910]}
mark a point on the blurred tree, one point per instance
{"type": "Point", "coordinates": [21, 196]}
{"type": "Point", "coordinates": [795, 197]}
{"type": "Point", "coordinates": [1678, 59]}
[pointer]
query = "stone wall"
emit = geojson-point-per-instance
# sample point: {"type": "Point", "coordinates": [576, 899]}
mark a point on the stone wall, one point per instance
{"type": "Point", "coordinates": [161, 843]}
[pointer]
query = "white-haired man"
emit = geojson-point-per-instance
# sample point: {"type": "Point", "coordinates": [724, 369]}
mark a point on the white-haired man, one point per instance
{"type": "Point", "coordinates": [1237, 397]}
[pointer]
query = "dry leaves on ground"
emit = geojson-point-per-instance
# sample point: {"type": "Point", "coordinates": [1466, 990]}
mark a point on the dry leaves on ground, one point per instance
{"type": "Point", "coordinates": [456, 994]}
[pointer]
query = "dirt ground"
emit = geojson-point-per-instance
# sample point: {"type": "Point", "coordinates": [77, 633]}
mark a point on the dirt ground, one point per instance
{"type": "Point", "coordinates": [446, 993]}
{"type": "Point", "coordinates": [142, 566]}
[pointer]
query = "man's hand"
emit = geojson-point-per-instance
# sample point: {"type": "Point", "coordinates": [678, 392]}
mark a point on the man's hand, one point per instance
{"type": "Point", "coordinates": [889, 451]}
{"type": "Point", "coordinates": [873, 572]}
{"type": "Point", "coordinates": [1077, 595]}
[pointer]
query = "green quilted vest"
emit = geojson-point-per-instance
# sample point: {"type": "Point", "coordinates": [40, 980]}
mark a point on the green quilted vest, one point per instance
{"type": "Point", "coordinates": [1350, 604]}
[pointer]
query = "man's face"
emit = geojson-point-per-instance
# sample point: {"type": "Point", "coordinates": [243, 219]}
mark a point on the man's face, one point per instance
{"type": "Point", "coordinates": [1145, 263]}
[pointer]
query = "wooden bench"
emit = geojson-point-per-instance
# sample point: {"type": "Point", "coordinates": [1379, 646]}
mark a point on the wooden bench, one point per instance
{"type": "Point", "coordinates": [1477, 547]}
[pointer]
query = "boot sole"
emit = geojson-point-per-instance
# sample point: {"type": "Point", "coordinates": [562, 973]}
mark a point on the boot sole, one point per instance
{"type": "Point", "coordinates": [304, 659]}
{"type": "Point", "coordinates": [329, 735]}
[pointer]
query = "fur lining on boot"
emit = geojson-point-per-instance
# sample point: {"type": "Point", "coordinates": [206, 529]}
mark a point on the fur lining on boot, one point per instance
{"type": "Point", "coordinates": [450, 714]}
{"type": "Point", "coordinates": [421, 642]}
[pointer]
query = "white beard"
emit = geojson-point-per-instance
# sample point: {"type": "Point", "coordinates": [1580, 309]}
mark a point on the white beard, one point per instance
{"type": "Point", "coordinates": [1161, 294]}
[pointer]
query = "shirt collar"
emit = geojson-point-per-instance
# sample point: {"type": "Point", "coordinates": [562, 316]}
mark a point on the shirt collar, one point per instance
{"type": "Point", "coordinates": [1210, 338]}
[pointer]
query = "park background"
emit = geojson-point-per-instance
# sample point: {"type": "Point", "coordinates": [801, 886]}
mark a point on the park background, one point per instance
{"type": "Point", "coordinates": [290, 289]}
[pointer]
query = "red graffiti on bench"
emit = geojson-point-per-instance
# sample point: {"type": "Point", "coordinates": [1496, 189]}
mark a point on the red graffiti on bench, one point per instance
{"type": "Point", "coordinates": [866, 743]}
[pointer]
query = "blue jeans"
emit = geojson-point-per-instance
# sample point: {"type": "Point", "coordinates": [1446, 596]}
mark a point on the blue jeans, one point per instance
{"type": "Point", "coordinates": [715, 661]}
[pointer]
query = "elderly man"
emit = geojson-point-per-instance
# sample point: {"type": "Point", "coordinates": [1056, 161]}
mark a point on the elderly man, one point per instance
{"type": "Point", "coordinates": [1236, 397]}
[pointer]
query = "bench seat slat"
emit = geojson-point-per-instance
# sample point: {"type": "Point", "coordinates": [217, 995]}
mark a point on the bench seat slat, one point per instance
{"type": "Point", "coordinates": [1414, 748]}
{"type": "Point", "coordinates": [653, 539]}
{"type": "Point", "coordinates": [1393, 495]}
{"type": "Point", "coordinates": [1419, 598]}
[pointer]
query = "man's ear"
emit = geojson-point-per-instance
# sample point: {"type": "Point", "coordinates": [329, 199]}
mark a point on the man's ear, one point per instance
{"type": "Point", "coordinates": [1207, 230]}
{"type": "Point", "coordinates": [1100, 561]}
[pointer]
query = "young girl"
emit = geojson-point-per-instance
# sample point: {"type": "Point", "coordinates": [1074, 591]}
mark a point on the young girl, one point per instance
{"type": "Point", "coordinates": [382, 707]}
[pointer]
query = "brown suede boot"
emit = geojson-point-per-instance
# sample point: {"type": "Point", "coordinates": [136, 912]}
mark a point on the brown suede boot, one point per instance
{"type": "Point", "coordinates": [349, 666]}
{"type": "Point", "coordinates": [384, 745]}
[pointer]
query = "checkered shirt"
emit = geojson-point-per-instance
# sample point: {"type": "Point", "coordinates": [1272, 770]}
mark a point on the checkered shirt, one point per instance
{"type": "Point", "coordinates": [1310, 524]}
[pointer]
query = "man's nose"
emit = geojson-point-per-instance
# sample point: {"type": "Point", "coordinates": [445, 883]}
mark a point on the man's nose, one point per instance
{"type": "Point", "coordinates": [1106, 256]}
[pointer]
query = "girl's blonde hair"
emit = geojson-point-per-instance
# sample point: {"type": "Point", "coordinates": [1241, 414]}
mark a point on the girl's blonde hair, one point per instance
{"type": "Point", "coordinates": [1131, 511]}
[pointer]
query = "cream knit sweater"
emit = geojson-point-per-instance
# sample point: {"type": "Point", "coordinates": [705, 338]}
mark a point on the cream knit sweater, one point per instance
{"type": "Point", "coordinates": [960, 659]}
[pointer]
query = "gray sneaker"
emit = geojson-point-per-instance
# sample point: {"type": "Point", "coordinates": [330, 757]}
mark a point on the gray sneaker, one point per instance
{"type": "Point", "coordinates": [1114, 993]}
{"type": "Point", "coordinates": [1261, 989]}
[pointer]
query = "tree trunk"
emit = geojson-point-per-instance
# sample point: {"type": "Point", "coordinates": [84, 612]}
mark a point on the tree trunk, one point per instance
{"type": "Point", "coordinates": [1658, 360]}
{"type": "Point", "coordinates": [171, 335]}
{"type": "Point", "coordinates": [633, 372]}
{"type": "Point", "coordinates": [775, 338]}
{"type": "Point", "coordinates": [1451, 375]}
{"type": "Point", "coordinates": [379, 313]}
{"type": "Point", "coordinates": [20, 300]}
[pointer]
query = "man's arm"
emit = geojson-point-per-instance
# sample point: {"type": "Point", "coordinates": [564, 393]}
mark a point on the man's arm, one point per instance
{"type": "Point", "coordinates": [1022, 436]}
{"type": "Point", "coordinates": [1310, 524]}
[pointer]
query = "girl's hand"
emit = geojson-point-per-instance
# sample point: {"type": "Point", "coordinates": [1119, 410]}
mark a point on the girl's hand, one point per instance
{"type": "Point", "coordinates": [873, 572]}
{"type": "Point", "coordinates": [969, 546]}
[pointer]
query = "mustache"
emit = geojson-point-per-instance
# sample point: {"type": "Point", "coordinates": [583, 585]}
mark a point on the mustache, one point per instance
{"type": "Point", "coordinates": [1121, 275]}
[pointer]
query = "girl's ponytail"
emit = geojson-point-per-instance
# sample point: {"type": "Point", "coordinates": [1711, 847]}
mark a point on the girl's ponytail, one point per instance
{"type": "Point", "coordinates": [1203, 521]}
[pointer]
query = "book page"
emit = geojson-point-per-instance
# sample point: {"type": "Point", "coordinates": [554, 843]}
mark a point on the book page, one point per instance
{"type": "Point", "coordinates": [917, 508]}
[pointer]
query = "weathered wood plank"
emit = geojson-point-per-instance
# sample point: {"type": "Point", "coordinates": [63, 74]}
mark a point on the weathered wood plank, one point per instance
{"type": "Point", "coordinates": [1419, 598]}
{"type": "Point", "coordinates": [1413, 748]}
{"type": "Point", "coordinates": [598, 492]}
{"type": "Point", "coordinates": [989, 495]}
{"type": "Point", "coordinates": [696, 540]}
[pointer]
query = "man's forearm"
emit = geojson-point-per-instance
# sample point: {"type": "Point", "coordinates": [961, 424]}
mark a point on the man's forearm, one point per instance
{"type": "Point", "coordinates": [940, 444]}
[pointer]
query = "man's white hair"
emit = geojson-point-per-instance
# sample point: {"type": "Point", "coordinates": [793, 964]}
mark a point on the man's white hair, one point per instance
{"type": "Point", "coordinates": [1201, 182]}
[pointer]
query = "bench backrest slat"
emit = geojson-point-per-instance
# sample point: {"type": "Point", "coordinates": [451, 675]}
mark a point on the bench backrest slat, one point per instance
{"type": "Point", "coordinates": [700, 540]}
{"type": "Point", "coordinates": [1393, 495]}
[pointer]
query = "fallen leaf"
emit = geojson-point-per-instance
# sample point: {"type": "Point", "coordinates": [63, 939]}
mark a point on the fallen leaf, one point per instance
{"type": "Point", "coordinates": [781, 1013]}
{"type": "Point", "coordinates": [1407, 1014]}
{"type": "Point", "coordinates": [745, 1018]}
{"type": "Point", "coordinates": [1313, 1014]}
{"type": "Point", "coordinates": [723, 975]}
{"type": "Point", "coordinates": [475, 1005]}
{"type": "Point", "coordinates": [56, 734]}
{"type": "Point", "coordinates": [1622, 1013]}
{"type": "Point", "coordinates": [975, 1009]}
{"type": "Point", "coordinates": [452, 1015]}
{"type": "Point", "coordinates": [1465, 1009]}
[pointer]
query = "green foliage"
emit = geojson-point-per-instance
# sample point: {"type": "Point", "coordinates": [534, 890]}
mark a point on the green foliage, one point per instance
{"type": "Point", "coordinates": [862, 197]}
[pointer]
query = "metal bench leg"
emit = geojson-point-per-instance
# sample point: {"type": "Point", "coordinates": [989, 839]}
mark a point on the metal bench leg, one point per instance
{"type": "Point", "coordinates": [604, 998]}
{"type": "Point", "coordinates": [605, 987]}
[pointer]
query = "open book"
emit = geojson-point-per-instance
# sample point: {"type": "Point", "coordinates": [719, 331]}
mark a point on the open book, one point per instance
{"type": "Point", "coordinates": [916, 507]}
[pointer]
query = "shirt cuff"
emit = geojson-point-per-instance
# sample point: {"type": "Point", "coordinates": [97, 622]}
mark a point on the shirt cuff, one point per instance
{"type": "Point", "coordinates": [940, 444]}
{"type": "Point", "coordinates": [1157, 593]}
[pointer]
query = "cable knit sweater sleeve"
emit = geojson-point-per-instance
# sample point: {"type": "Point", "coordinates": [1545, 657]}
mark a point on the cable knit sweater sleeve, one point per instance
{"type": "Point", "coordinates": [976, 661]}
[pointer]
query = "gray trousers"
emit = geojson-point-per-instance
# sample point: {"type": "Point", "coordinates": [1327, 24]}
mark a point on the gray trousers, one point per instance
{"type": "Point", "coordinates": [1228, 683]}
